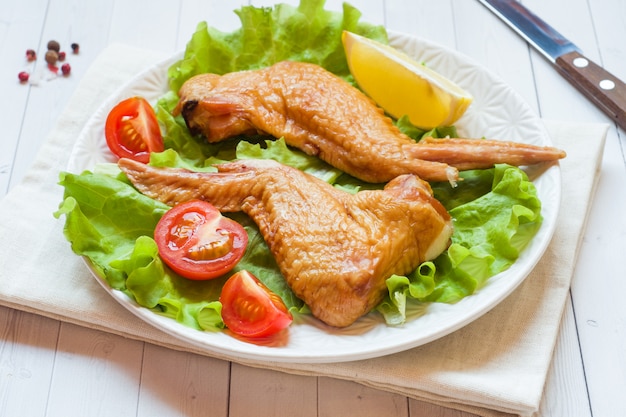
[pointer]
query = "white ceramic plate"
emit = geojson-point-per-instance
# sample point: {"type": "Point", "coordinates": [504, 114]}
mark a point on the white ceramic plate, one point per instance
{"type": "Point", "coordinates": [497, 112]}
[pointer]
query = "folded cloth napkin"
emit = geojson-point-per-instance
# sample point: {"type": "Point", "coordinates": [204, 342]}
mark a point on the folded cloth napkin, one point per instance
{"type": "Point", "coordinates": [495, 366]}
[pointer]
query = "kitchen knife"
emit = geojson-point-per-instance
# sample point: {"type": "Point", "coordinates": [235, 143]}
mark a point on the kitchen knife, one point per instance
{"type": "Point", "coordinates": [601, 87]}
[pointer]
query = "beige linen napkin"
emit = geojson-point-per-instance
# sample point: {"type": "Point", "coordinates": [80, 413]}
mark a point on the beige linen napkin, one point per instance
{"type": "Point", "coordinates": [496, 365]}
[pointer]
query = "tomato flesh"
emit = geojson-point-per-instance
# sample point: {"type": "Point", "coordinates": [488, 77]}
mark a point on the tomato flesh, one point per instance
{"type": "Point", "coordinates": [132, 130]}
{"type": "Point", "coordinates": [250, 309]}
{"type": "Point", "coordinates": [197, 242]}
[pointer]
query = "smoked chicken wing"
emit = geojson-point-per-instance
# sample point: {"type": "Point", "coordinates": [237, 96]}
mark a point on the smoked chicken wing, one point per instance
{"type": "Point", "coordinates": [334, 249]}
{"type": "Point", "coordinates": [323, 115]}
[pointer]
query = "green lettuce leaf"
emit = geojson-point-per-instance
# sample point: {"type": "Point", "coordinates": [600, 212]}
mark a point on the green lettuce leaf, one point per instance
{"type": "Point", "coordinates": [307, 33]}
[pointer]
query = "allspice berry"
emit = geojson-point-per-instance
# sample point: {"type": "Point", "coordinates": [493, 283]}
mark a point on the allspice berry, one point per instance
{"type": "Point", "coordinates": [54, 46]}
{"type": "Point", "coordinates": [52, 57]}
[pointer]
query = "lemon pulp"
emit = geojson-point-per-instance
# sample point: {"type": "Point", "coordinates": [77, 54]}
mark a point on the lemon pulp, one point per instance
{"type": "Point", "coordinates": [402, 86]}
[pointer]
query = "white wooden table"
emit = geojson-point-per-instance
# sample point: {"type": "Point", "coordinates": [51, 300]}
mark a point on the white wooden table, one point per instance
{"type": "Point", "coordinates": [54, 369]}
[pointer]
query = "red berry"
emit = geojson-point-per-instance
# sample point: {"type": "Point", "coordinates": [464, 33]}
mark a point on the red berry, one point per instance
{"type": "Point", "coordinates": [31, 55]}
{"type": "Point", "coordinates": [65, 69]}
{"type": "Point", "coordinates": [61, 56]}
{"type": "Point", "coordinates": [23, 76]}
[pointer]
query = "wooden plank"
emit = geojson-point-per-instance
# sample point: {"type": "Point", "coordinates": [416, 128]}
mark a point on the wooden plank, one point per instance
{"type": "Point", "coordinates": [345, 398]}
{"type": "Point", "coordinates": [597, 298]}
{"type": "Point", "coordinates": [566, 378]}
{"type": "Point", "coordinates": [600, 324]}
{"type": "Point", "coordinates": [262, 392]}
{"type": "Point", "coordinates": [27, 351]}
{"type": "Point", "coordinates": [20, 30]}
{"type": "Point", "coordinates": [95, 374]}
{"type": "Point", "coordinates": [155, 29]}
{"type": "Point", "coordinates": [432, 20]}
{"type": "Point", "coordinates": [483, 37]}
{"type": "Point", "coordinates": [609, 22]}
{"type": "Point", "coordinates": [180, 383]}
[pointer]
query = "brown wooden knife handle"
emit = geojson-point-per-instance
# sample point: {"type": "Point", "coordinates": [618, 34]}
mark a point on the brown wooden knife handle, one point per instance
{"type": "Point", "coordinates": [601, 87]}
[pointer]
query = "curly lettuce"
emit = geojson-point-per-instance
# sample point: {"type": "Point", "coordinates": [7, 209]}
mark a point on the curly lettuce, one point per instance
{"type": "Point", "coordinates": [307, 33]}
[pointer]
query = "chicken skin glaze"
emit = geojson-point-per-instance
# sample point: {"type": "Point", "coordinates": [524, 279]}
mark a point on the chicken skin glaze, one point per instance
{"type": "Point", "coordinates": [334, 249]}
{"type": "Point", "coordinates": [324, 116]}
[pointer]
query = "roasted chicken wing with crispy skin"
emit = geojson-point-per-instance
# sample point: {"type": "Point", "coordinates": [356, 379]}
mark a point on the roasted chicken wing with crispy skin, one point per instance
{"type": "Point", "coordinates": [323, 115]}
{"type": "Point", "coordinates": [334, 249]}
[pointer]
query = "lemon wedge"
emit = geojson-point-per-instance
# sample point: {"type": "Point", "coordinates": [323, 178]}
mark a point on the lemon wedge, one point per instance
{"type": "Point", "coordinates": [402, 86]}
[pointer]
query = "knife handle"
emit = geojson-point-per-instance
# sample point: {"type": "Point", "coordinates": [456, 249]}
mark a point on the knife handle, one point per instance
{"type": "Point", "coordinates": [601, 87]}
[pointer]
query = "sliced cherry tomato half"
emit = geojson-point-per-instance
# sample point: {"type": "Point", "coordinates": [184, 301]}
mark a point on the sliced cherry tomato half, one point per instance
{"type": "Point", "coordinates": [251, 309]}
{"type": "Point", "coordinates": [132, 130]}
{"type": "Point", "coordinates": [197, 242]}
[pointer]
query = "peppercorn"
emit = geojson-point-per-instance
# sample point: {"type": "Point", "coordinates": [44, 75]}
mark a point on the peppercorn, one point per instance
{"type": "Point", "coordinates": [54, 46]}
{"type": "Point", "coordinates": [75, 48]}
{"type": "Point", "coordinates": [52, 57]}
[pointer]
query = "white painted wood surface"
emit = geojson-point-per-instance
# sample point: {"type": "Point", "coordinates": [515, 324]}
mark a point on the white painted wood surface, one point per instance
{"type": "Point", "coordinates": [54, 369]}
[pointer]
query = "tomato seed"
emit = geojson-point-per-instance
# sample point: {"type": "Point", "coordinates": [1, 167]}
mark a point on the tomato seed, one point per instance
{"type": "Point", "coordinates": [212, 250]}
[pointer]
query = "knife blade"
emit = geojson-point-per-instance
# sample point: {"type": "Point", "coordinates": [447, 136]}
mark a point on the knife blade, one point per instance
{"type": "Point", "coordinates": [597, 84]}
